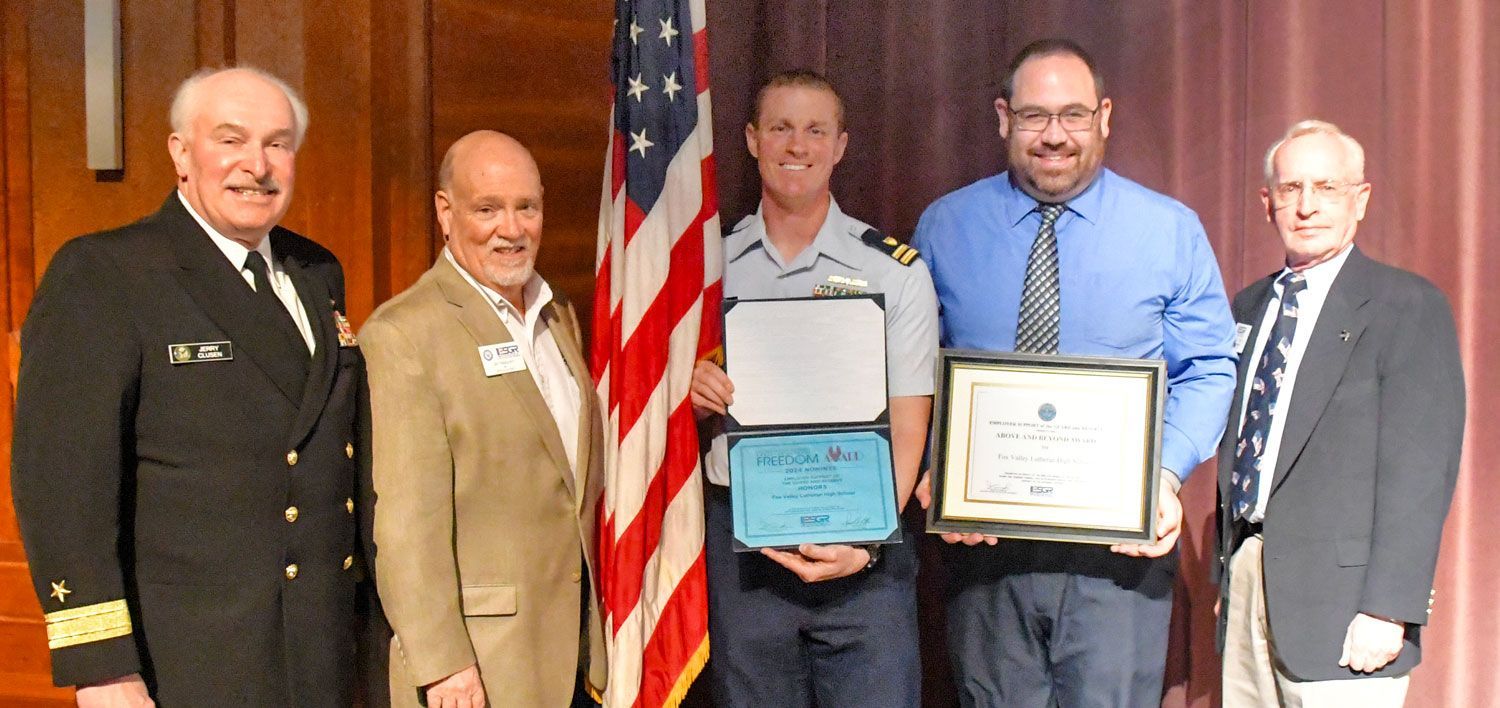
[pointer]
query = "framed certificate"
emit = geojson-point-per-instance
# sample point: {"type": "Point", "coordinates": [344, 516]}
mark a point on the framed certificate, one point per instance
{"type": "Point", "coordinates": [809, 430]}
{"type": "Point", "coordinates": [1057, 448]}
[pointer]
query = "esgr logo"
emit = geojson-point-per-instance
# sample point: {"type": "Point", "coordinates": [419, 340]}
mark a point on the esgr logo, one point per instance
{"type": "Point", "coordinates": [1038, 490]}
{"type": "Point", "coordinates": [815, 520]}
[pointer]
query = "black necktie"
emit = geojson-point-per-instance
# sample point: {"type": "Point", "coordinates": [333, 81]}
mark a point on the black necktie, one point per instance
{"type": "Point", "coordinates": [256, 264]}
{"type": "Point", "coordinates": [1036, 329]}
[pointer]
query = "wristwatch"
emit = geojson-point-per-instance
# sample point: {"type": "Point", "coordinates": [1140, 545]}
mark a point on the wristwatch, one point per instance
{"type": "Point", "coordinates": [874, 551]}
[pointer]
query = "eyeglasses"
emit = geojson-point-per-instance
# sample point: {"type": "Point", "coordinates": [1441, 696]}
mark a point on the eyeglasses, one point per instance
{"type": "Point", "coordinates": [1073, 120]}
{"type": "Point", "coordinates": [1287, 193]}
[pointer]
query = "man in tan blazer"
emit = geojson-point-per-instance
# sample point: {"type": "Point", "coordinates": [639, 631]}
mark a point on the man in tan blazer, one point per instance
{"type": "Point", "coordinates": [486, 456]}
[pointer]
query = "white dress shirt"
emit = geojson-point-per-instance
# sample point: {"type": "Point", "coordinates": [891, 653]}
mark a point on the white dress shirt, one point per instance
{"type": "Point", "coordinates": [539, 350]}
{"type": "Point", "coordinates": [281, 283]}
{"type": "Point", "coordinates": [1309, 305]}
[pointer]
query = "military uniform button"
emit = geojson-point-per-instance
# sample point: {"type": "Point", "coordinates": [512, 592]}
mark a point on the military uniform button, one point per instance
{"type": "Point", "coordinates": [576, 576]}
{"type": "Point", "coordinates": [291, 514]}
{"type": "Point", "coordinates": [348, 562]}
{"type": "Point", "coordinates": [349, 504]}
{"type": "Point", "coordinates": [291, 457]}
{"type": "Point", "coordinates": [291, 571]}
{"type": "Point", "coordinates": [349, 450]}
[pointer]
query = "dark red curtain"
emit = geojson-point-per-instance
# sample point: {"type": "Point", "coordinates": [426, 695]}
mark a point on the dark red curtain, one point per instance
{"type": "Point", "coordinates": [1201, 88]}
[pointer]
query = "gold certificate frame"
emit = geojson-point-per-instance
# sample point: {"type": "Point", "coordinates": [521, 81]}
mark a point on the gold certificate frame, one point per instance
{"type": "Point", "coordinates": [1047, 447]}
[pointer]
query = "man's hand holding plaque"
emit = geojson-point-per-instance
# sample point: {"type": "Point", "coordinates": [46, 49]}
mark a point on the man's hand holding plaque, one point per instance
{"type": "Point", "coordinates": [1168, 524]}
{"type": "Point", "coordinates": [1054, 448]}
{"type": "Point", "coordinates": [713, 393]}
{"type": "Point", "coordinates": [808, 428]}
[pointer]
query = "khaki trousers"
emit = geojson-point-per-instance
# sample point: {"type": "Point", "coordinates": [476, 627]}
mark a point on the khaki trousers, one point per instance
{"type": "Point", "coordinates": [1252, 675]}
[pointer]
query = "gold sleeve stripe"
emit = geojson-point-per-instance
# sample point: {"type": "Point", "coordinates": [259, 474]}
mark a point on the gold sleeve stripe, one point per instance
{"type": "Point", "coordinates": [91, 623]}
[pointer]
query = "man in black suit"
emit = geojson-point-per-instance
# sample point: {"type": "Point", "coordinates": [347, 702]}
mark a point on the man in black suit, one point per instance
{"type": "Point", "coordinates": [184, 447]}
{"type": "Point", "coordinates": [1342, 450]}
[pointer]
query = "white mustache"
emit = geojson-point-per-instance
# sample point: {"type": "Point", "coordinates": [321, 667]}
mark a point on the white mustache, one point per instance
{"type": "Point", "coordinates": [270, 185]}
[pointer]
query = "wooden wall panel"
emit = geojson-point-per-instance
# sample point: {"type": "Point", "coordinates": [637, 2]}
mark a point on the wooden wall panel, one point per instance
{"type": "Point", "coordinates": [70, 199]}
{"type": "Point", "coordinates": [329, 63]}
{"type": "Point", "coordinates": [404, 234]}
{"type": "Point", "coordinates": [540, 72]}
{"type": "Point", "coordinates": [15, 47]}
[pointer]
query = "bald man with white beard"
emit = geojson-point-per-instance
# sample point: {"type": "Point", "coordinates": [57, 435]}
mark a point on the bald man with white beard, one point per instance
{"type": "Point", "coordinates": [487, 457]}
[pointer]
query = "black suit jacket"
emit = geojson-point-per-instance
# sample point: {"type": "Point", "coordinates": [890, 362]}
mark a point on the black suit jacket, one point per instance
{"type": "Point", "coordinates": [1368, 461]}
{"type": "Point", "coordinates": [161, 495]}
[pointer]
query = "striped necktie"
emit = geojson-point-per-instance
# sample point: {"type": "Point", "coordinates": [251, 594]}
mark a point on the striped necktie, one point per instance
{"type": "Point", "coordinates": [1036, 329]}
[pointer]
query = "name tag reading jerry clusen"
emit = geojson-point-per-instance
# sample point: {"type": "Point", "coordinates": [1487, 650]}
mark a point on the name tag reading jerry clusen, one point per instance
{"type": "Point", "coordinates": [196, 352]}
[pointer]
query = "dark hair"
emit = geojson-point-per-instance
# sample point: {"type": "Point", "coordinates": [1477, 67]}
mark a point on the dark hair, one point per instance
{"type": "Point", "coordinates": [1053, 46]}
{"type": "Point", "coordinates": [800, 78]}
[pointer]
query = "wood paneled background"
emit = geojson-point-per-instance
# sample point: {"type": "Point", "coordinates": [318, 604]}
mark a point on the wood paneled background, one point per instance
{"type": "Point", "coordinates": [389, 85]}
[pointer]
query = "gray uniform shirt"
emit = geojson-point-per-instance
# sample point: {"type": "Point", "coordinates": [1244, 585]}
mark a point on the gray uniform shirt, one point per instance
{"type": "Point", "coordinates": [837, 261]}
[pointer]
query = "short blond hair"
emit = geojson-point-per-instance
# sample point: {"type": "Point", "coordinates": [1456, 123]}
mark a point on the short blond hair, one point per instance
{"type": "Point", "coordinates": [1356, 152]}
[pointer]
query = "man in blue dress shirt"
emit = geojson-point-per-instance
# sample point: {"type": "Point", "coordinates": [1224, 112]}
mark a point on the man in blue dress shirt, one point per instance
{"type": "Point", "coordinates": [1087, 263]}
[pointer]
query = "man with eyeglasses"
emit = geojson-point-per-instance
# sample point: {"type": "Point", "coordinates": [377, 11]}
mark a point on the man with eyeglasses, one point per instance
{"type": "Point", "coordinates": [1347, 430]}
{"type": "Point", "coordinates": [1058, 255]}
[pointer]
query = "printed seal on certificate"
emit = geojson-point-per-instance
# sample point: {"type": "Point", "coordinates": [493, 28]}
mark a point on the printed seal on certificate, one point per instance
{"type": "Point", "coordinates": [1047, 447]}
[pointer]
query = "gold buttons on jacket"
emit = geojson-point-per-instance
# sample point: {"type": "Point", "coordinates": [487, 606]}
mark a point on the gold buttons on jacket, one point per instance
{"type": "Point", "coordinates": [349, 504]}
{"type": "Point", "coordinates": [348, 562]}
{"type": "Point", "coordinates": [291, 457]}
{"type": "Point", "coordinates": [576, 576]}
{"type": "Point", "coordinates": [349, 450]}
{"type": "Point", "coordinates": [291, 571]}
{"type": "Point", "coordinates": [291, 514]}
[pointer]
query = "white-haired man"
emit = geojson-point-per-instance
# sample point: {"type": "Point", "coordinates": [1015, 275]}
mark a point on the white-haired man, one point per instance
{"type": "Point", "coordinates": [1342, 449]}
{"type": "Point", "coordinates": [184, 457]}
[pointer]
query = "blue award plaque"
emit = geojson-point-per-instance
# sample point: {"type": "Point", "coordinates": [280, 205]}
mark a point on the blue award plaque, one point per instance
{"type": "Point", "coordinates": [825, 487]}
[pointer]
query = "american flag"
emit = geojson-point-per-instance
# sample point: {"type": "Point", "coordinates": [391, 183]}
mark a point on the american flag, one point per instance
{"type": "Point", "coordinates": [656, 312]}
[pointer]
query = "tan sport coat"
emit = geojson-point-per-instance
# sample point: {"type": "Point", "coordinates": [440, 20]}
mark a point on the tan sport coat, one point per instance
{"type": "Point", "coordinates": [482, 530]}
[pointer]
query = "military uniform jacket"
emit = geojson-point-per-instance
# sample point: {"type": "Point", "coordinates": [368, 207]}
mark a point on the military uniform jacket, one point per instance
{"type": "Point", "coordinates": [189, 520]}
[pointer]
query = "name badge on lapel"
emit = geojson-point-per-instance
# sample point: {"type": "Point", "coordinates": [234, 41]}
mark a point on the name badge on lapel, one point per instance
{"type": "Point", "coordinates": [501, 358]}
{"type": "Point", "coordinates": [196, 352]}
{"type": "Point", "coordinates": [1241, 336]}
{"type": "Point", "coordinates": [346, 333]}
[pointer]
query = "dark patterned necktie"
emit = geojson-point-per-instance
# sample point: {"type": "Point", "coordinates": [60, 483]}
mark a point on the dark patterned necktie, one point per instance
{"type": "Point", "coordinates": [1036, 328]}
{"type": "Point", "coordinates": [1256, 427]}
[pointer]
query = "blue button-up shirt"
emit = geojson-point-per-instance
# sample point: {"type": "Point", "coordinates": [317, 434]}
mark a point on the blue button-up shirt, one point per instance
{"type": "Point", "coordinates": [1138, 279]}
